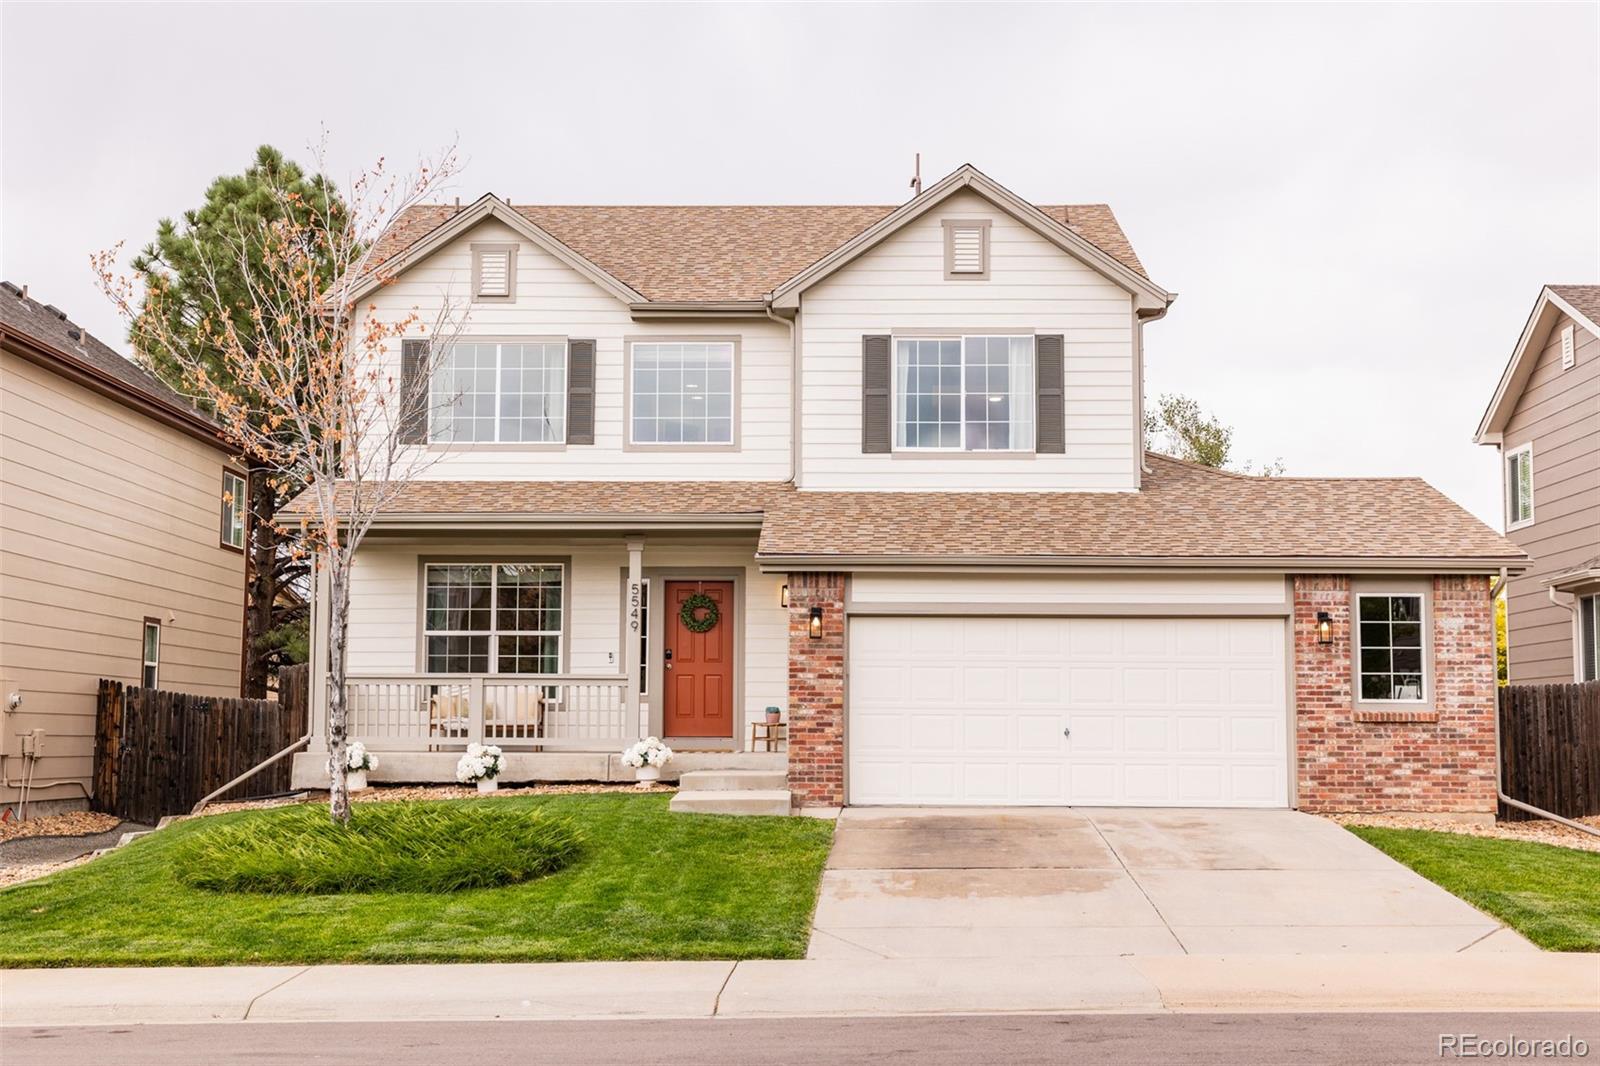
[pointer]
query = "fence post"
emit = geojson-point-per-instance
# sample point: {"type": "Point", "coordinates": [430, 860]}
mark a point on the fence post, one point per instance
{"type": "Point", "coordinates": [475, 709]}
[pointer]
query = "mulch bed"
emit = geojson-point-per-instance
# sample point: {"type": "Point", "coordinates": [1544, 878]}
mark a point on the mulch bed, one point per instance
{"type": "Point", "coordinates": [66, 824]}
{"type": "Point", "coordinates": [1539, 832]}
{"type": "Point", "coordinates": [390, 793]}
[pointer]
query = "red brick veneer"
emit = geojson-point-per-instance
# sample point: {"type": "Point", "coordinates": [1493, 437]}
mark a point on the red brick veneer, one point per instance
{"type": "Point", "coordinates": [1376, 760]}
{"type": "Point", "coordinates": [816, 691]}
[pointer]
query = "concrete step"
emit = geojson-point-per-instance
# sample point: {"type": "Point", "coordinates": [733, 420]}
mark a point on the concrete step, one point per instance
{"type": "Point", "coordinates": [733, 780]}
{"type": "Point", "coordinates": [739, 801]}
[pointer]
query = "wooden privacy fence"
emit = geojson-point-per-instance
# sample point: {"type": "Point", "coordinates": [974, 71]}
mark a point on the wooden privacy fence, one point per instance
{"type": "Point", "coordinates": [1550, 748]}
{"type": "Point", "coordinates": [157, 753]}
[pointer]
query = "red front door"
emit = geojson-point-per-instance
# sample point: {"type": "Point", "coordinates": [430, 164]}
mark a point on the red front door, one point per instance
{"type": "Point", "coordinates": [698, 667]}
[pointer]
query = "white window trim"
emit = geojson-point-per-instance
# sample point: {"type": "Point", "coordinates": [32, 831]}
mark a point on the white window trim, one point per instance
{"type": "Point", "coordinates": [1525, 451]}
{"type": "Point", "coordinates": [644, 636]}
{"type": "Point", "coordinates": [961, 449]}
{"type": "Point", "coordinates": [435, 403]}
{"type": "Point", "coordinates": [147, 664]}
{"type": "Point", "coordinates": [240, 502]}
{"type": "Point", "coordinates": [1423, 702]}
{"type": "Point", "coordinates": [1591, 602]}
{"type": "Point", "coordinates": [494, 631]}
{"type": "Point", "coordinates": [631, 445]}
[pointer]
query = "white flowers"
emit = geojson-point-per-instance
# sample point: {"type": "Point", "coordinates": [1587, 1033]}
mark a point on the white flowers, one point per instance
{"type": "Point", "coordinates": [357, 757]}
{"type": "Point", "coordinates": [648, 752]}
{"type": "Point", "coordinates": [480, 763]}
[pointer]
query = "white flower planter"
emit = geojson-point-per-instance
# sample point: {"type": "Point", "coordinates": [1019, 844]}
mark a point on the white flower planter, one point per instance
{"type": "Point", "coordinates": [357, 780]}
{"type": "Point", "coordinates": [487, 785]}
{"type": "Point", "coordinates": [647, 775]}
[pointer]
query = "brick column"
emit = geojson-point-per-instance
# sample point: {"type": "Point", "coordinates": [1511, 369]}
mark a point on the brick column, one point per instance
{"type": "Point", "coordinates": [1380, 759]}
{"type": "Point", "coordinates": [816, 691]}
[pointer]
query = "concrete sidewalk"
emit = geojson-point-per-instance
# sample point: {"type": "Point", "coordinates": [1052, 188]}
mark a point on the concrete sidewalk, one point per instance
{"type": "Point", "coordinates": [810, 987]}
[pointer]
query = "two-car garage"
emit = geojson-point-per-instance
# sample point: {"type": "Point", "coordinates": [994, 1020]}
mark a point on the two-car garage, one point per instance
{"type": "Point", "coordinates": [1115, 709]}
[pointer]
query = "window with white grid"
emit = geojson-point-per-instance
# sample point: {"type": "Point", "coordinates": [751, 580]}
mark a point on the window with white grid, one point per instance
{"type": "Point", "coordinates": [971, 393]}
{"type": "Point", "coordinates": [493, 618]}
{"type": "Point", "coordinates": [681, 393]}
{"type": "Point", "coordinates": [500, 392]}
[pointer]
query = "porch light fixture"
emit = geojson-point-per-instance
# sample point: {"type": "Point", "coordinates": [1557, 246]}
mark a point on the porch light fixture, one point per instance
{"type": "Point", "coordinates": [783, 595]}
{"type": "Point", "coordinates": [1324, 628]}
{"type": "Point", "coordinates": [816, 623]}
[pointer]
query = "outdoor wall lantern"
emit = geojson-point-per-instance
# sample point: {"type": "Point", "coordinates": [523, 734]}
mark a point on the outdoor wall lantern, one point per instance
{"type": "Point", "coordinates": [1324, 628]}
{"type": "Point", "coordinates": [816, 623]}
{"type": "Point", "coordinates": [783, 595]}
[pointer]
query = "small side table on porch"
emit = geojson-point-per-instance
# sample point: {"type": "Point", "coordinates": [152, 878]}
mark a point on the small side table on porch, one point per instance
{"type": "Point", "coordinates": [769, 735]}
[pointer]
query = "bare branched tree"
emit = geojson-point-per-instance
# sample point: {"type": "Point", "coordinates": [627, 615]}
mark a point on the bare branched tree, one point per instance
{"type": "Point", "coordinates": [317, 400]}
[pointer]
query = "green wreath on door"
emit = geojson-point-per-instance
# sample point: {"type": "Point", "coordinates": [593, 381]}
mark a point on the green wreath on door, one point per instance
{"type": "Point", "coordinates": [699, 613]}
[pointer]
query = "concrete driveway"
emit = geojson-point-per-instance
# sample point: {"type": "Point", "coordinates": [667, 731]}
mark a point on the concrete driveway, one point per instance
{"type": "Point", "coordinates": [1019, 883]}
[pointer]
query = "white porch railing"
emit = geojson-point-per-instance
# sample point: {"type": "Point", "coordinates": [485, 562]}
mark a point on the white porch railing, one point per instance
{"type": "Point", "coordinates": [441, 712]}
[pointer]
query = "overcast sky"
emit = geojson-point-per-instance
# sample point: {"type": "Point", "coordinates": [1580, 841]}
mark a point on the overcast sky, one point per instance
{"type": "Point", "coordinates": [1357, 203]}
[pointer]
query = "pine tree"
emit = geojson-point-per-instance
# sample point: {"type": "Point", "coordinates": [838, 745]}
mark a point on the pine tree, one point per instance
{"type": "Point", "coordinates": [195, 275]}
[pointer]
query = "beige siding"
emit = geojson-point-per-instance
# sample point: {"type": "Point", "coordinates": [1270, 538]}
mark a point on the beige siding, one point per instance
{"type": "Point", "coordinates": [1040, 590]}
{"type": "Point", "coordinates": [386, 596]}
{"type": "Point", "coordinates": [1033, 285]}
{"type": "Point", "coordinates": [1559, 412]}
{"type": "Point", "coordinates": [106, 517]}
{"type": "Point", "coordinates": [553, 300]}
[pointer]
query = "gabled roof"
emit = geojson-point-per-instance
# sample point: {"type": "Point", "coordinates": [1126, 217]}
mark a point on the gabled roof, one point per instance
{"type": "Point", "coordinates": [712, 253]}
{"type": "Point", "coordinates": [47, 337]}
{"type": "Point", "coordinates": [968, 177]}
{"type": "Point", "coordinates": [1184, 515]}
{"type": "Point", "coordinates": [1579, 302]}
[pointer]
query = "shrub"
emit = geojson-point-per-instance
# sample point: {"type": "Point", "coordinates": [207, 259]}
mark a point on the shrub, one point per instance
{"type": "Point", "coordinates": [387, 847]}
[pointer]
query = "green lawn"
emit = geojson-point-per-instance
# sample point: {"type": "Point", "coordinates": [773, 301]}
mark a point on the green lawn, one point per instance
{"type": "Point", "coordinates": [648, 884]}
{"type": "Point", "coordinates": [1548, 894]}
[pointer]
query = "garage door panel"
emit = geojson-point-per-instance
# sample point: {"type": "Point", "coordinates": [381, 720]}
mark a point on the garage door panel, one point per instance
{"type": "Point", "coordinates": [1188, 711]}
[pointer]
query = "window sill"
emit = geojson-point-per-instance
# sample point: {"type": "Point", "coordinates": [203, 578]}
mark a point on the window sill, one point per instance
{"type": "Point", "coordinates": [1396, 715]}
{"type": "Point", "coordinates": [488, 446]}
{"type": "Point", "coordinates": [962, 453]}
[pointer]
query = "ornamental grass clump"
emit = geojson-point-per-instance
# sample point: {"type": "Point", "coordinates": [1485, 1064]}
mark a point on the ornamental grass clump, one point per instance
{"type": "Point", "coordinates": [386, 847]}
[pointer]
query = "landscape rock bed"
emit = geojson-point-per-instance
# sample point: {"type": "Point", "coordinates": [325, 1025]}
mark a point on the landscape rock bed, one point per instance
{"type": "Point", "coordinates": [1538, 832]}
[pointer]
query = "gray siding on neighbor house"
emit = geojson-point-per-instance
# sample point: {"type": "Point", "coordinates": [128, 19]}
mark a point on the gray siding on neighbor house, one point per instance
{"type": "Point", "coordinates": [1559, 411]}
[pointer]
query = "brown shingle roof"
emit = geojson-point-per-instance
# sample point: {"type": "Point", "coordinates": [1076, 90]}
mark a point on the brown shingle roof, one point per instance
{"type": "Point", "coordinates": [1585, 298]}
{"type": "Point", "coordinates": [728, 252]}
{"type": "Point", "coordinates": [50, 328]}
{"type": "Point", "coordinates": [1183, 511]}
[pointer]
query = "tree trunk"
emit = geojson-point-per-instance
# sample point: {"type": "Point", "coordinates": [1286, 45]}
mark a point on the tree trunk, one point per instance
{"type": "Point", "coordinates": [338, 736]}
{"type": "Point", "coordinates": [263, 585]}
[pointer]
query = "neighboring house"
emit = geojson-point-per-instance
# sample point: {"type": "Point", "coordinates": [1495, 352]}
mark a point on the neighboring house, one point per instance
{"type": "Point", "coordinates": [1544, 418]}
{"type": "Point", "coordinates": [882, 468]}
{"type": "Point", "coordinates": [120, 554]}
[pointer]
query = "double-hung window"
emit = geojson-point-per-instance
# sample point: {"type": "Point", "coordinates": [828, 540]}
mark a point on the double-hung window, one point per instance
{"type": "Point", "coordinates": [1589, 638]}
{"type": "Point", "coordinates": [1391, 655]}
{"type": "Point", "coordinates": [967, 393]}
{"type": "Point", "coordinates": [1519, 486]}
{"type": "Point", "coordinates": [493, 618]}
{"type": "Point", "coordinates": [681, 393]}
{"type": "Point", "coordinates": [234, 502]}
{"type": "Point", "coordinates": [150, 655]}
{"type": "Point", "coordinates": [506, 392]}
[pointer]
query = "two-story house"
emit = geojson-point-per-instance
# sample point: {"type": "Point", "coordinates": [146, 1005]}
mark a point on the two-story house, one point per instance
{"type": "Point", "coordinates": [1544, 418]}
{"type": "Point", "coordinates": [882, 468]}
{"type": "Point", "coordinates": [122, 547]}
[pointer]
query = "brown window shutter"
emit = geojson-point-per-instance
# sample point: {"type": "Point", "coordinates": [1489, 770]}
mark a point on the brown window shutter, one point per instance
{"type": "Point", "coordinates": [1050, 355]}
{"type": "Point", "coordinates": [877, 428]}
{"type": "Point", "coordinates": [580, 392]}
{"type": "Point", "coordinates": [413, 392]}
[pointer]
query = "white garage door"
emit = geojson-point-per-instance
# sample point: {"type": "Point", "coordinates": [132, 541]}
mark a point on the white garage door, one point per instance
{"type": "Point", "coordinates": [1144, 712]}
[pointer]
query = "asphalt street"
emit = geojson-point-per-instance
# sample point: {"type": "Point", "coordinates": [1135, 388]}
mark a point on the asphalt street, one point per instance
{"type": "Point", "coordinates": [1367, 1039]}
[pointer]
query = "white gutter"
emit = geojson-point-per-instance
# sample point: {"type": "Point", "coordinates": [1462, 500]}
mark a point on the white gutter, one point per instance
{"type": "Point", "coordinates": [794, 385]}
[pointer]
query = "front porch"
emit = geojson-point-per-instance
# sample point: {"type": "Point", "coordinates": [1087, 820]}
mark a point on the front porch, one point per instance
{"type": "Point", "coordinates": [546, 644]}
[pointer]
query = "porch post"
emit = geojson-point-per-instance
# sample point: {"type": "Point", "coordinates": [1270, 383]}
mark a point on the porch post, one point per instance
{"type": "Point", "coordinates": [634, 636]}
{"type": "Point", "coordinates": [317, 712]}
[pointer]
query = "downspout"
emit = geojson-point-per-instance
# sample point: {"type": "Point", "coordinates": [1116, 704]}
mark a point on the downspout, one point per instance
{"type": "Point", "coordinates": [794, 385]}
{"type": "Point", "coordinates": [1499, 779]}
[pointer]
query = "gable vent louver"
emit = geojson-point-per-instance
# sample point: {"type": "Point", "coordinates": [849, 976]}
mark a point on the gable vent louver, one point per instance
{"type": "Point", "coordinates": [494, 274]}
{"type": "Point", "coordinates": [966, 250]}
{"type": "Point", "coordinates": [1569, 349]}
